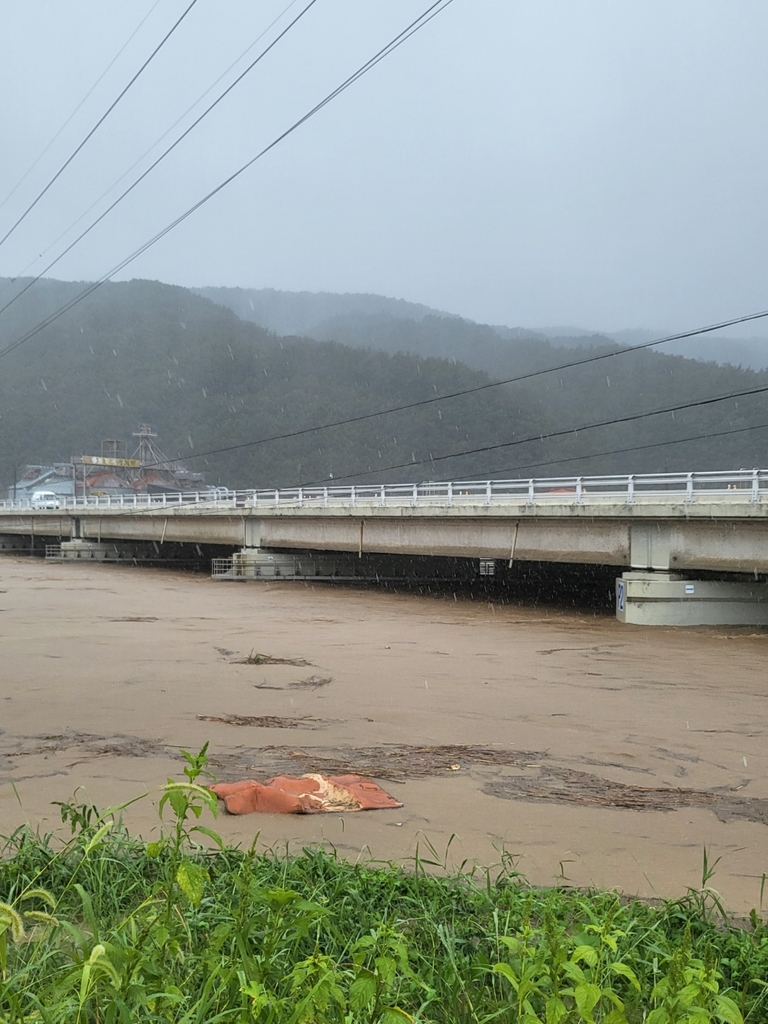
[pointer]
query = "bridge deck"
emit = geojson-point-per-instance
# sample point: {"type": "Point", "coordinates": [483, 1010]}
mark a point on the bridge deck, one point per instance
{"type": "Point", "coordinates": [742, 493]}
{"type": "Point", "coordinates": [715, 521]}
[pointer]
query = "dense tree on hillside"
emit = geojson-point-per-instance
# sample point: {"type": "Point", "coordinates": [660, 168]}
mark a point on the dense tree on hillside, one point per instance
{"type": "Point", "coordinates": [627, 384]}
{"type": "Point", "coordinates": [207, 380]}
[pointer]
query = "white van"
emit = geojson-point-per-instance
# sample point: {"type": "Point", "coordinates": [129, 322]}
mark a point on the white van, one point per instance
{"type": "Point", "coordinates": [45, 499]}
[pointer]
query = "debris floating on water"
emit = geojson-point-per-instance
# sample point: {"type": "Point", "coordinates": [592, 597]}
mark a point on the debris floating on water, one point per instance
{"type": "Point", "coordinates": [307, 794]}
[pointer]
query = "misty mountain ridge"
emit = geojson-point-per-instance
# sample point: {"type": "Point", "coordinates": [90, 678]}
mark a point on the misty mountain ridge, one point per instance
{"type": "Point", "coordinates": [209, 380]}
{"type": "Point", "coordinates": [301, 313]}
{"type": "Point", "coordinates": [320, 314]}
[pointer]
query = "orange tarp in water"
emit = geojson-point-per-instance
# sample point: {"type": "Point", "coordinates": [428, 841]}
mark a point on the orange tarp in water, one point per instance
{"type": "Point", "coordinates": [308, 794]}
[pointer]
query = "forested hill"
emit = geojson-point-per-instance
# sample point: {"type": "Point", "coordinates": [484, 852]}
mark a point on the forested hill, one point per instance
{"type": "Point", "coordinates": [325, 314]}
{"type": "Point", "coordinates": [624, 384]}
{"type": "Point", "coordinates": [306, 313]}
{"type": "Point", "coordinates": [144, 351]}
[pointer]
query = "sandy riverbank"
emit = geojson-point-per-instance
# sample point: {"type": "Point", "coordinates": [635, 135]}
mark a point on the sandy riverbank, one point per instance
{"type": "Point", "coordinates": [605, 753]}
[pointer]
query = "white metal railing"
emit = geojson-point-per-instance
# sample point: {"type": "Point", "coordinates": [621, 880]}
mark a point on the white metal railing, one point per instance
{"type": "Point", "coordinates": [742, 486]}
{"type": "Point", "coordinates": [222, 568]}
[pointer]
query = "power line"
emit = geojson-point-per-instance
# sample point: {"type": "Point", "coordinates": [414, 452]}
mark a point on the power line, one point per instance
{"type": "Point", "coordinates": [536, 437]}
{"type": "Point", "coordinates": [24, 177]}
{"type": "Point", "coordinates": [616, 451]}
{"type": "Point", "coordinates": [634, 448]}
{"type": "Point", "coordinates": [466, 391]}
{"type": "Point", "coordinates": [157, 141]}
{"type": "Point", "coordinates": [431, 12]}
{"type": "Point", "coordinates": [699, 403]}
{"type": "Point", "coordinates": [415, 26]}
{"type": "Point", "coordinates": [101, 120]}
{"type": "Point", "coordinates": [159, 160]}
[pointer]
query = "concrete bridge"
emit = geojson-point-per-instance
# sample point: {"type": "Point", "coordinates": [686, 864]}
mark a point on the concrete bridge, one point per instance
{"type": "Point", "coordinates": [665, 529]}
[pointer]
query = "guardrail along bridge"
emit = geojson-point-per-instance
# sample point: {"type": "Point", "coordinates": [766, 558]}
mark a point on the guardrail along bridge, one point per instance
{"type": "Point", "coordinates": [663, 529]}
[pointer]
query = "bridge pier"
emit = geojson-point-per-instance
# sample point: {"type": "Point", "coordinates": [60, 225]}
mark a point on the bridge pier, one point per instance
{"type": "Point", "coordinates": [669, 599]}
{"type": "Point", "coordinates": [251, 563]}
{"type": "Point", "coordinates": [84, 550]}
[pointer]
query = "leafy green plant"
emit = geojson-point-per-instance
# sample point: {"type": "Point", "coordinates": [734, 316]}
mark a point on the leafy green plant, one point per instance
{"type": "Point", "coordinates": [187, 800]}
{"type": "Point", "coordinates": [105, 929]}
{"type": "Point", "coordinates": [556, 976]}
{"type": "Point", "coordinates": [689, 991]}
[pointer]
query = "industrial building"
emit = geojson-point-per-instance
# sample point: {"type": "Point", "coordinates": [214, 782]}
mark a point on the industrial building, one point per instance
{"type": "Point", "coordinates": [112, 472]}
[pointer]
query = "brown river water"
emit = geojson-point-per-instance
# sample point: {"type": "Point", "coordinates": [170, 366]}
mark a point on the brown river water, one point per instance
{"type": "Point", "coordinates": [585, 751]}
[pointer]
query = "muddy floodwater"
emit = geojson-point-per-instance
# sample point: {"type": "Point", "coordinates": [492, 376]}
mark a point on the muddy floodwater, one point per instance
{"type": "Point", "coordinates": [590, 752]}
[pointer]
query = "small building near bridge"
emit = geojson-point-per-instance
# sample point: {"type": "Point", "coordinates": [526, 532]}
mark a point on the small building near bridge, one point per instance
{"type": "Point", "coordinates": [113, 472]}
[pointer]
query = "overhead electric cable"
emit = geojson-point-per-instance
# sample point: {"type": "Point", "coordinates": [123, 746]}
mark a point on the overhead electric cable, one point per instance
{"type": "Point", "coordinates": [401, 38]}
{"type": "Point", "coordinates": [564, 432]}
{"type": "Point", "coordinates": [431, 12]}
{"type": "Point", "coordinates": [143, 155]}
{"type": "Point", "coordinates": [483, 476]}
{"type": "Point", "coordinates": [24, 177]}
{"type": "Point", "coordinates": [157, 141]}
{"type": "Point", "coordinates": [159, 160]}
{"type": "Point", "coordinates": [470, 391]}
{"type": "Point", "coordinates": [535, 437]}
{"type": "Point", "coordinates": [633, 448]}
{"type": "Point", "coordinates": [101, 120]}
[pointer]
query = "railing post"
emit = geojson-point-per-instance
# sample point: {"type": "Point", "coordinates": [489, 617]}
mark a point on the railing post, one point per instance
{"type": "Point", "coordinates": [301, 496]}
{"type": "Point", "coordinates": [352, 495]}
{"type": "Point", "coordinates": [530, 491]}
{"type": "Point", "coordinates": [630, 489]}
{"type": "Point", "coordinates": [415, 501]}
{"type": "Point", "coordinates": [277, 497]}
{"type": "Point", "coordinates": [689, 488]}
{"type": "Point", "coordinates": [450, 492]}
{"type": "Point", "coordinates": [755, 485]}
{"type": "Point", "coordinates": [488, 492]}
{"type": "Point", "coordinates": [325, 497]}
{"type": "Point", "coordinates": [383, 495]}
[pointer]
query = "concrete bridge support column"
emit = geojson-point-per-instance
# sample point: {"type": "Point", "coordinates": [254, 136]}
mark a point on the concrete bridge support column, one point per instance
{"type": "Point", "coordinates": [669, 599]}
{"type": "Point", "coordinates": [262, 563]}
{"type": "Point", "coordinates": [86, 550]}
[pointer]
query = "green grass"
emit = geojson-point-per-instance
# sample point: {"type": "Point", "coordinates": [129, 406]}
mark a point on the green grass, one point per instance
{"type": "Point", "coordinates": [107, 929]}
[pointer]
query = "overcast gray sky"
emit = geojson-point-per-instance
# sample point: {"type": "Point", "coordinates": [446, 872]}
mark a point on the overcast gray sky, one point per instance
{"type": "Point", "coordinates": [600, 163]}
